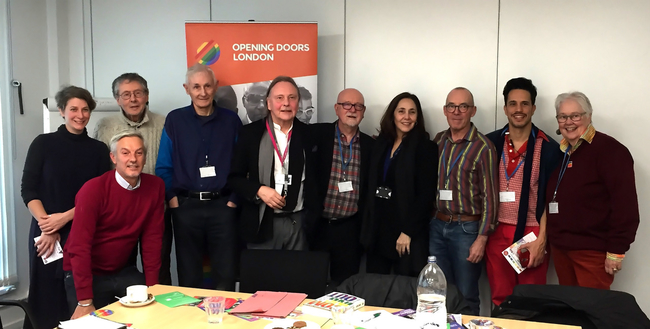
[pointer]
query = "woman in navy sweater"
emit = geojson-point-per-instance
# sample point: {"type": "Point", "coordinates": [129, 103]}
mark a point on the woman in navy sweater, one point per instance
{"type": "Point", "coordinates": [56, 167]}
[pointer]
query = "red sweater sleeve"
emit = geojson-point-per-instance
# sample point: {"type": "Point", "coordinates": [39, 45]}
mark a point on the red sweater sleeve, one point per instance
{"type": "Point", "coordinates": [617, 169]}
{"type": "Point", "coordinates": [79, 244]}
{"type": "Point", "coordinates": [152, 234]}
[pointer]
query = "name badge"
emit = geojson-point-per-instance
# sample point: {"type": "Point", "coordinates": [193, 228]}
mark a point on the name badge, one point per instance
{"type": "Point", "coordinates": [553, 208]}
{"type": "Point", "coordinates": [507, 196]}
{"type": "Point", "coordinates": [345, 186]}
{"type": "Point", "coordinates": [283, 179]}
{"type": "Point", "coordinates": [383, 192]}
{"type": "Point", "coordinates": [207, 171]}
{"type": "Point", "coordinates": [446, 195]}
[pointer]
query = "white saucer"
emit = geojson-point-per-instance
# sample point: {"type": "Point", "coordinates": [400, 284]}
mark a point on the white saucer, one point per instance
{"type": "Point", "coordinates": [128, 303]}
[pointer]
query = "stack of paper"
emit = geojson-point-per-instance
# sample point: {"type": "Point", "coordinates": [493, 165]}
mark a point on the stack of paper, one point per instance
{"type": "Point", "coordinates": [91, 322]}
{"type": "Point", "coordinates": [270, 304]}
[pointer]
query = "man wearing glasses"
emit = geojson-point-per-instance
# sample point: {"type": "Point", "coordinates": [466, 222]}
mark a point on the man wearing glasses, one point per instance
{"type": "Point", "coordinates": [254, 101]}
{"type": "Point", "coordinates": [527, 157]}
{"type": "Point", "coordinates": [467, 197]}
{"type": "Point", "coordinates": [342, 156]}
{"type": "Point", "coordinates": [132, 95]}
{"type": "Point", "coordinates": [306, 108]}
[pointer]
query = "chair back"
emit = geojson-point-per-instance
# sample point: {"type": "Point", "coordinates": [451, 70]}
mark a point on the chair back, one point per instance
{"type": "Point", "coordinates": [396, 291]}
{"type": "Point", "coordinates": [586, 307]}
{"type": "Point", "coordinates": [30, 319]}
{"type": "Point", "coordinates": [284, 270]}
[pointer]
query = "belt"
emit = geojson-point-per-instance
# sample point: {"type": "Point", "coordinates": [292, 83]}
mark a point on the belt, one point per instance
{"type": "Point", "coordinates": [340, 219]}
{"type": "Point", "coordinates": [456, 218]}
{"type": "Point", "coordinates": [203, 196]}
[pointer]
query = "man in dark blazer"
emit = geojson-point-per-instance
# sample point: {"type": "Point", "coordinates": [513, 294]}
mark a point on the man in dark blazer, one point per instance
{"type": "Point", "coordinates": [341, 160]}
{"type": "Point", "coordinates": [268, 172]}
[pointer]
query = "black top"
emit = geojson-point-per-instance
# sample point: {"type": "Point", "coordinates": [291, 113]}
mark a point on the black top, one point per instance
{"type": "Point", "coordinates": [413, 175]}
{"type": "Point", "coordinates": [56, 167]}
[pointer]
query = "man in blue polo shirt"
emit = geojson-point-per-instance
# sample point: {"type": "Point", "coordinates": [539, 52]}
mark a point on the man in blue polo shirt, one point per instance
{"type": "Point", "coordinates": [194, 161]}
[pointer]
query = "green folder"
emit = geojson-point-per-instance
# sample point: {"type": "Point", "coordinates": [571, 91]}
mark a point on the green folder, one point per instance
{"type": "Point", "coordinates": [175, 298]}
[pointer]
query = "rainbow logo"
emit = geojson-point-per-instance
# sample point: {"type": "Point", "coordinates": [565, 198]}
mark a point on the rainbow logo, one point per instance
{"type": "Point", "coordinates": [208, 53]}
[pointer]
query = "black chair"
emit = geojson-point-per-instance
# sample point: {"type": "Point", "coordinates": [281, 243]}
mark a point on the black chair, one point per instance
{"type": "Point", "coordinates": [29, 316]}
{"type": "Point", "coordinates": [284, 270]}
{"type": "Point", "coordinates": [585, 307]}
{"type": "Point", "coordinates": [397, 291]}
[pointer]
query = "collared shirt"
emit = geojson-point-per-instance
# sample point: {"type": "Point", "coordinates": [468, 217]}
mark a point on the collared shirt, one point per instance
{"type": "Point", "coordinates": [283, 142]}
{"type": "Point", "coordinates": [587, 136]}
{"type": "Point", "coordinates": [120, 180]}
{"type": "Point", "coordinates": [345, 204]}
{"type": "Point", "coordinates": [509, 211]}
{"type": "Point", "coordinates": [185, 141]}
{"type": "Point", "coordinates": [471, 179]}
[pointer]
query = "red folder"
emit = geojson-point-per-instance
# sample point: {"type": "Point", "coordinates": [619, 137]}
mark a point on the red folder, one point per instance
{"type": "Point", "coordinates": [270, 304]}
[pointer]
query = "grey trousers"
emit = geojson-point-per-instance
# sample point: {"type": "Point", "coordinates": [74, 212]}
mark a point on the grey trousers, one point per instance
{"type": "Point", "coordinates": [288, 233]}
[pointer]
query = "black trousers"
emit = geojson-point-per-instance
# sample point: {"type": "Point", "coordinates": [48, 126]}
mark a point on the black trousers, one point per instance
{"type": "Point", "coordinates": [200, 227]}
{"type": "Point", "coordinates": [105, 287]}
{"type": "Point", "coordinates": [165, 259]}
{"type": "Point", "coordinates": [408, 265]}
{"type": "Point", "coordinates": [341, 239]}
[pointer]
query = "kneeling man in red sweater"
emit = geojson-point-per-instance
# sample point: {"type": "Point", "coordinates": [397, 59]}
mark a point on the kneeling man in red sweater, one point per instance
{"type": "Point", "coordinates": [112, 213]}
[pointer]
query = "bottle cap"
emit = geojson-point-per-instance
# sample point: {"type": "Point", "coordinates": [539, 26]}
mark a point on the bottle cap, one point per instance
{"type": "Point", "coordinates": [432, 259]}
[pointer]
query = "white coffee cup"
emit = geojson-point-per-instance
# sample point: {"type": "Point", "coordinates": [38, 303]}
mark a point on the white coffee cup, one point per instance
{"type": "Point", "coordinates": [135, 294]}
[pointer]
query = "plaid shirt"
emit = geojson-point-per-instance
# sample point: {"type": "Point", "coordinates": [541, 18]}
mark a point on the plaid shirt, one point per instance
{"type": "Point", "coordinates": [342, 205]}
{"type": "Point", "coordinates": [472, 180]}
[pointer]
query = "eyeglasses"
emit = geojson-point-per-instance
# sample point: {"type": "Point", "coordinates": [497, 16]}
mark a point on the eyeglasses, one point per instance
{"type": "Point", "coordinates": [348, 106]}
{"type": "Point", "coordinates": [576, 117]}
{"type": "Point", "coordinates": [127, 94]}
{"type": "Point", "coordinates": [462, 107]}
{"type": "Point", "coordinates": [308, 110]}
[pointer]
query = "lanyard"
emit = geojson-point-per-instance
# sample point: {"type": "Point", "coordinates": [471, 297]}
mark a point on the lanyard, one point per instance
{"type": "Point", "coordinates": [205, 142]}
{"type": "Point", "coordinates": [453, 164]}
{"type": "Point", "coordinates": [344, 164]}
{"type": "Point", "coordinates": [388, 159]}
{"type": "Point", "coordinates": [565, 164]}
{"type": "Point", "coordinates": [282, 156]}
{"type": "Point", "coordinates": [505, 168]}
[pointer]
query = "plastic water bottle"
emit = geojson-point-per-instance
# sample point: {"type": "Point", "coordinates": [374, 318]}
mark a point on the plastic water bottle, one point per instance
{"type": "Point", "coordinates": [432, 294]}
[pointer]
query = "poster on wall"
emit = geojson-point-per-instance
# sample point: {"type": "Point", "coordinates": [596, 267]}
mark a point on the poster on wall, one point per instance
{"type": "Point", "coordinates": [247, 56]}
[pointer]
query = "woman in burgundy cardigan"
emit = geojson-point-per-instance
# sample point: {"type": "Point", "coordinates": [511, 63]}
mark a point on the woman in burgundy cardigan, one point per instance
{"type": "Point", "coordinates": [593, 212]}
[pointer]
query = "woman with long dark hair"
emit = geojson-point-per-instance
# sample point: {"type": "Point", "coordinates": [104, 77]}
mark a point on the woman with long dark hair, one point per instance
{"type": "Point", "coordinates": [402, 185]}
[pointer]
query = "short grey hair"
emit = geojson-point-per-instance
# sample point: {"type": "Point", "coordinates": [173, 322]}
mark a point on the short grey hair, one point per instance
{"type": "Point", "coordinates": [196, 68]}
{"type": "Point", "coordinates": [576, 96]}
{"type": "Point", "coordinates": [125, 134]}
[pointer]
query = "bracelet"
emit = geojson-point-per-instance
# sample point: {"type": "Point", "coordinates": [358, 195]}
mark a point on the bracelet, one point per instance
{"type": "Point", "coordinates": [85, 305]}
{"type": "Point", "coordinates": [615, 257]}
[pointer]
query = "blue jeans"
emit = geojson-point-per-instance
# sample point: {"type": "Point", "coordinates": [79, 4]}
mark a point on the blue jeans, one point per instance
{"type": "Point", "coordinates": [450, 243]}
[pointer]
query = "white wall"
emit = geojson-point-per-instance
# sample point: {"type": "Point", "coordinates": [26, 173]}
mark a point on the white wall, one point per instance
{"type": "Point", "coordinates": [30, 66]}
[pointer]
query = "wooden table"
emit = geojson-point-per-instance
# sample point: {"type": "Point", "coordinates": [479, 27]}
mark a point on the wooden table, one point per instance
{"type": "Point", "coordinates": [156, 315]}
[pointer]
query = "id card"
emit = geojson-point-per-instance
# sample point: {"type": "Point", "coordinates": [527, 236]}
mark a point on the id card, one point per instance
{"type": "Point", "coordinates": [553, 208]}
{"type": "Point", "coordinates": [345, 186]}
{"type": "Point", "coordinates": [207, 171]}
{"type": "Point", "coordinates": [446, 195]}
{"type": "Point", "coordinates": [507, 196]}
{"type": "Point", "coordinates": [283, 179]}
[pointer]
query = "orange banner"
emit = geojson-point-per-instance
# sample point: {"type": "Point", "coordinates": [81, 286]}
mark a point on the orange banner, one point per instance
{"type": "Point", "coordinates": [250, 52]}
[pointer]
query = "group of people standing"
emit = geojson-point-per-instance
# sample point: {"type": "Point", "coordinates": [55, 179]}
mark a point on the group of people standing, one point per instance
{"type": "Point", "coordinates": [277, 183]}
